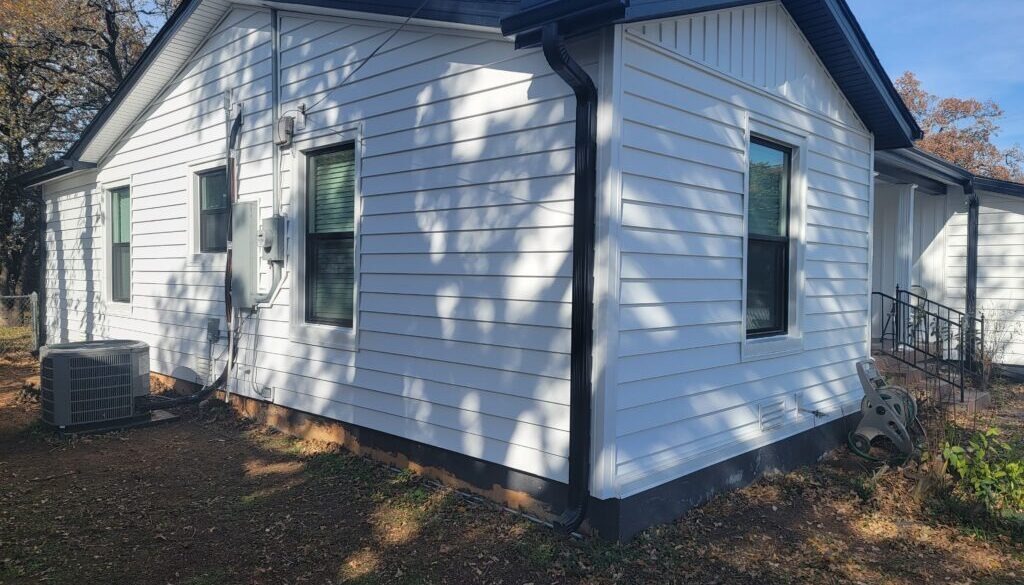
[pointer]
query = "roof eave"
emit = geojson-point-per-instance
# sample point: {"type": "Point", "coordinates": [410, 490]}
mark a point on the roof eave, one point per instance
{"type": "Point", "coordinates": [53, 169]}
{"type": "Point", "coordinates": [885, 114]}
{"type": "Point", "coordinates": [932, 168]}
{"type": "Point", "coordinates": [165, 33]}
{"type": "Point", "coordinates": [999, 186]}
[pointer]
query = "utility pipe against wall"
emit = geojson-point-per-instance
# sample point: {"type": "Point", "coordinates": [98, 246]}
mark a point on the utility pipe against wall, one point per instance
{"type": "Point", "coordinates": [584, 218]}
{"type": "Point", "coordinates": [275, 180]}
{"type": "Point", "coordinates": [232, 127]}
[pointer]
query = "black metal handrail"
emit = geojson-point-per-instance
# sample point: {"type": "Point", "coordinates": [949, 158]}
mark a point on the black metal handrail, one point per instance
{"type": "Point", "coordinates": [940, 341]}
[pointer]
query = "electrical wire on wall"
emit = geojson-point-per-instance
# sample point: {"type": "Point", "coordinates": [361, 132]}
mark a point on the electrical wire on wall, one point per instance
{"type": "Point", "coordinates": [307, 111]}
{"type": "Point", "coordinates": [236, 329]}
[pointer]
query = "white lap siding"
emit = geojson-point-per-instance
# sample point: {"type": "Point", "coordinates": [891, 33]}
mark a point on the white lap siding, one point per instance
{"type": "Point", "coordinates": [1000, 271]}
{"type": "Point", "coordinates": [685, 396]}
{"type": "Point", "coordinates": [465, 235]}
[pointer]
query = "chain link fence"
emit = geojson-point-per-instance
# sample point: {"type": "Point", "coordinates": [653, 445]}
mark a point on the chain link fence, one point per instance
{"type": "Point", "coordinates": [19, 324]}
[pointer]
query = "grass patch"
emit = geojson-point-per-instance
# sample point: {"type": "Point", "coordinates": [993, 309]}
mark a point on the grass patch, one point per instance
{"type": "Point", "coordinates": [216, 577]}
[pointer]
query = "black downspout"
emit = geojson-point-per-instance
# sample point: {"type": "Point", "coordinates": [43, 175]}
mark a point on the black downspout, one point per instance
{"type": "Point", "coordinates": [971, 305]}
{"type": "Point", "coordinates": [584, 218]}
{"type": "Point", "coordinates": [41, 298]}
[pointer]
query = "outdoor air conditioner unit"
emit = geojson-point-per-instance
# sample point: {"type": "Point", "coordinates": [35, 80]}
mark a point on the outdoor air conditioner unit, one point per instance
{"type": "Point", "coordinates": [92, 383]}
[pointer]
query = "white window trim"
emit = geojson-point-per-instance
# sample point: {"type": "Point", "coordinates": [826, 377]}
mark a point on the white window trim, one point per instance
{"type": "Point", "coordinates": [212, 260]}
{"type": "Point", "coordinates": [792, 341]}
{"type": "Point", "coordinates": [122, 308]}
{"type": "Point", "coordinates": [299, 329]}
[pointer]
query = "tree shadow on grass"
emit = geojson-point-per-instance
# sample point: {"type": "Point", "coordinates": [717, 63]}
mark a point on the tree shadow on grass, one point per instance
{"type": "Point", "coordinates": [221, 501]}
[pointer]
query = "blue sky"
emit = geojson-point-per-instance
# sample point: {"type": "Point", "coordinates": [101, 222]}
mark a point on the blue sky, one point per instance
{"type": "Point", "coordinates": [963, 48]}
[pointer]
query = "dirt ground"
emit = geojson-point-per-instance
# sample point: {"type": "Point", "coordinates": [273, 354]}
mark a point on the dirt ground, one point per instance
{"type": "Point", "coordinates": [214, 500]}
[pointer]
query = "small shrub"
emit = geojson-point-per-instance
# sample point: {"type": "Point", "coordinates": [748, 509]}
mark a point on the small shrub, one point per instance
{"type": "Point", "coordinates": [867, 487]}
{"type": "Point", "coordinates": [988, 471]}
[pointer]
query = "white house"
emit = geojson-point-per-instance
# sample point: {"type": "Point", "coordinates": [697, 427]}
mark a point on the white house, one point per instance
{"type": "Point", "coordinates": [925, 213]}
{"type": "Point", "coordinates": [435, 165]}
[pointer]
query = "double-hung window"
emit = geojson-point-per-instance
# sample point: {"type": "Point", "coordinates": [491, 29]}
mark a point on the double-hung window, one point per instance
{"type": "Point", "coordinates": [212, 186]}
{"type": "Point", "coordinates": [330, 235]}
{"type": "Point", "coordinates": [120, 245]}
{"type": "Point", "coordinates": [768, 238]}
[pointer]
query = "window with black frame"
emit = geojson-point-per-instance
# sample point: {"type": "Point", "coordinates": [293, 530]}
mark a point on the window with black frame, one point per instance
{"type": "Point", "coordinates": [768, 239]}
{"type": "Point", "coordinates": [213, 210]}
{"type": "Point", "coordinates": [120, 245]}
{"type": "Point", "coordinates": [330, 235]}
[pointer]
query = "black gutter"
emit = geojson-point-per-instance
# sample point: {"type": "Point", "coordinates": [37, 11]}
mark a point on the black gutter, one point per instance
{"type": "Point", "coordinates": [576, 16]}
{"type": "Point", "coordinates": [53, 169]}
{"type": "Point", "coordinates": [999, 186]}
{"type": "Point", "coordinates": [927, 166]}
{"type": "Point", "coordinates": [583, 237]}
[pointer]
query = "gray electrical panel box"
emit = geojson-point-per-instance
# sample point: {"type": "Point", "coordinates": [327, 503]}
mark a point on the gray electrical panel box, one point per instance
{"type": "Point", "coordinates": [273, 238]}
{"type": "Point", "coordinates": [245, 275]}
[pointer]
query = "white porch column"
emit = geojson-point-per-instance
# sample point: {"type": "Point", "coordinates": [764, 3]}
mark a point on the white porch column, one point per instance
{"type": "Point", "coordinates": [904, 265]}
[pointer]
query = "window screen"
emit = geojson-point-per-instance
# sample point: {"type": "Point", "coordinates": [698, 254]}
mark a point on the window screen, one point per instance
{"type": "Point", "coordinates": [330, 227]}
{"type": "Point", "coordinates": [120, 244]}
{"type": "Point", "coordinates": [768, 239]}
{"type": "Point", "coordinates": [213, 210]}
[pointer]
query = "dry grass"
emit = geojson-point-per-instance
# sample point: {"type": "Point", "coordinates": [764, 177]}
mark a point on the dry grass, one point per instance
{"type": "Point", "coordinates": [215, 500]}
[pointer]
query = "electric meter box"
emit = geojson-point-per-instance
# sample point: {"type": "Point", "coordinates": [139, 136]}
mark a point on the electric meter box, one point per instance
{"type": "Point", "coordinates": [273, 238]}
{"type": "Point", "coordinates": [245, 275]}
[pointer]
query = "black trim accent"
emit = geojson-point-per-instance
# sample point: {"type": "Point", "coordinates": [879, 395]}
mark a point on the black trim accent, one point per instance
{"type": "Point", "coordinates": [973, 212]}
{"type": "Point", "coordinates": [53, 169]}
{"type": "Point", "coordinates": [472, 12]}
{"type": "Point", "coordinates": [583, 230]}
{"type": "Point", "coordinates": [828, 25]}
{"type": "Point", "coordinates": [913, 165]}
{"type": "Point", "coordinates": [843, 48]}
{"type": "Point", "coordinates": [614, 518]}
{"type": "Point", "coordinates": [999, 186]}
{"type": "Point", "coordinates": [481, 474]}
{"type": "Point", "coordinates": [575, 17]}
{"type": "Point", "coordinates": [622, 519]}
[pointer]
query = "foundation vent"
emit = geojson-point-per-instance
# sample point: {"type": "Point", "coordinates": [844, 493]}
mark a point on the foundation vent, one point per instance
{"type": "Point", "coordinates": [772, 414]}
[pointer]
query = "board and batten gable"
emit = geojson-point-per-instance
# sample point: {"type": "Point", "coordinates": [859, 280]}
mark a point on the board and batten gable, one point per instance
{"type": "Point", "coordinates": [689, 391]}
{"type": "Point", "coordinates": [464, 199]}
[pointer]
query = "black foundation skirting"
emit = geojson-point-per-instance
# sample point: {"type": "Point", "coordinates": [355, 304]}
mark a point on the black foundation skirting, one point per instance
{"type": "Point", "coordinates": [613, 519]}
{"type": "Point", "coordinates": [622, 519]}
